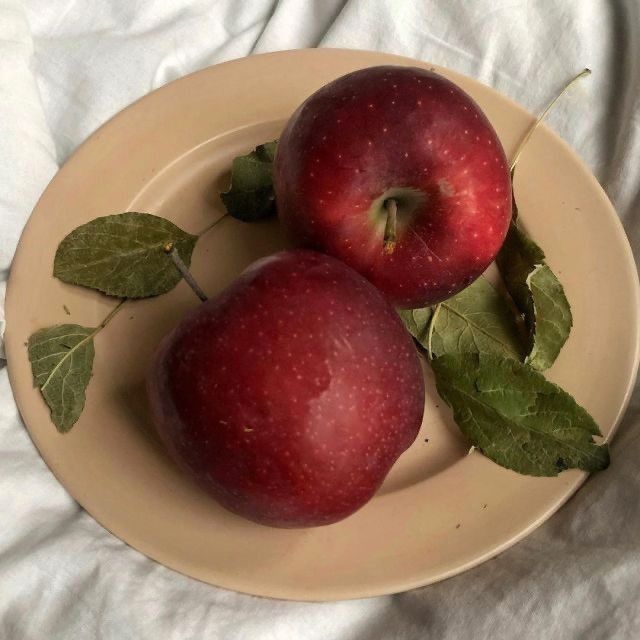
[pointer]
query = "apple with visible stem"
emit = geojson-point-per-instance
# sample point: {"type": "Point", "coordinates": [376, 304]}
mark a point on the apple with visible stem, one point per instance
{"type": "Point", "coordinates": [290, 395]}
{"type": "Point", "coordinates": [397, 172]}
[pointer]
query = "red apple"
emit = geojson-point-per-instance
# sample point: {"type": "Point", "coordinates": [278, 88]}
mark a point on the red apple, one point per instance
{"type": "Point", "coordinates": [290, 395]}
{"type": "Point", "coordinates": [399, 135]}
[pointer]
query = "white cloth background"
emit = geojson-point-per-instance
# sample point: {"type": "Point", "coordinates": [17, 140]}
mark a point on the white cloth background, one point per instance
{"type": "Point", "coordinates": [68, 65]}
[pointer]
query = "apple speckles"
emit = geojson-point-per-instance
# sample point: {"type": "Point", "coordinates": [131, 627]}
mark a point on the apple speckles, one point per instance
{"type": "Point", "coordinates": [419, 158]}
{"type": "Point", "coordinates": [419, 103]}
{"type": "Point", "coordinates": [445, 187]}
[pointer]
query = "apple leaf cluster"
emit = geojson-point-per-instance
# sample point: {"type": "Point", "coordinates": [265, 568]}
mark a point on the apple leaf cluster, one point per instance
{"type": "Point", "coordinates": [486, 348]}
{"type": "Point", "coordinates": [123, 255]}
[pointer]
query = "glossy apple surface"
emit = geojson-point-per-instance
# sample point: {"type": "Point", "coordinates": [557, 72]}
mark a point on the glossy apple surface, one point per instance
{"type": "Point", "coordinates": [407, 134]}
{"type": "Point", "coordinates": [289, 396]}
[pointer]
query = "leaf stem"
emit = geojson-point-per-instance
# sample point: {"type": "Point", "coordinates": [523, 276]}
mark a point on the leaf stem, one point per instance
{"type": "Point", "coordinates": [184, 270]}
{"type": "Point", "coordinates": [212, 225]}
{"type": "Point", "coordinates": [432, 325]}
{"type": "Point", "coordinates": [585, 72]}
{"type": "Point", "coordinates": [109, 316]}
{"type": "Point", "coordinates": [391, 207]}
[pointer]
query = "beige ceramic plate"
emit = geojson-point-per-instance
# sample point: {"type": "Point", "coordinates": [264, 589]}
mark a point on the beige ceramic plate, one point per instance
{"type": "Point", "coordinates": [440, 511]}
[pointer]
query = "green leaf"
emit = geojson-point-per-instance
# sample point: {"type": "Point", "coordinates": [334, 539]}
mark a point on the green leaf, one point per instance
{"type": "Point", "coordinates": [267, 151]}
{"type": "Point", "coordinates": [417, 322]}
{"type": "Point", "coordinates": [517, 258]}
{"type": "Point", "coordinates": [251, 196]}
{"type": "Point", "coordinates": [516, 417]}
{"type": "Point", "coordinates": [476, 319]}
{"type": "Point", "coordinates": [61, 361]}
{"type": "Point", "coordinates": [551, 315]}
{"type": "Point", "coordinates": [124, 255]}
{"type": "Point", "coordinates": [538, 295]}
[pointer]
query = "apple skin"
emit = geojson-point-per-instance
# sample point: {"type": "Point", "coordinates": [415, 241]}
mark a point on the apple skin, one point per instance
{"type": "Point", "coordinates": [409, 134]}
{"type": "Point", "coordinates": [290, 395]}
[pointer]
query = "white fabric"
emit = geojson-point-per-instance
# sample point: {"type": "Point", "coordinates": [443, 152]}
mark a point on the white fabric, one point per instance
{"type": "Point", "coordinates": [68, 65]}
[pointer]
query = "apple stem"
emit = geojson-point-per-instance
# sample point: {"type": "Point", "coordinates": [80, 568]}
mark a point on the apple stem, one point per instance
{"type": "Point", "coordinates": [391, 206]}
{"type": "Point", "coordinates": [184, 271]}
{"type": "Point", "coordinates": [541, 117]}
